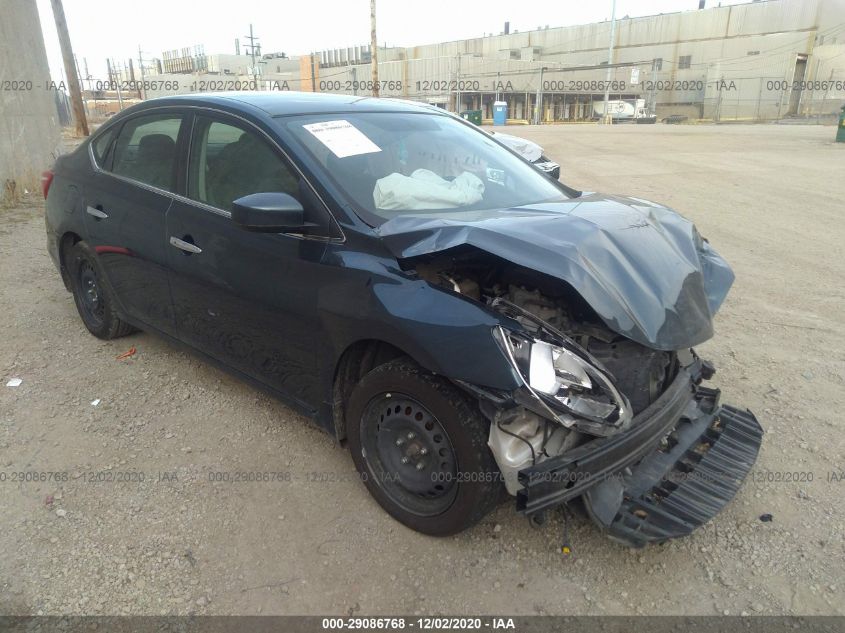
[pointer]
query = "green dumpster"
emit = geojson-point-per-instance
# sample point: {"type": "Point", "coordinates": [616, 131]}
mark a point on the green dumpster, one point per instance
{"type": "Point", "coordinates": [840, 130]}
{"type": "Point", "coordinates": [473, 116]}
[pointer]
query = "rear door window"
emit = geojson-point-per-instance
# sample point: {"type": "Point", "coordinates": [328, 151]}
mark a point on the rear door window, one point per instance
{"type": "Point", "coordinates": [146, 150]}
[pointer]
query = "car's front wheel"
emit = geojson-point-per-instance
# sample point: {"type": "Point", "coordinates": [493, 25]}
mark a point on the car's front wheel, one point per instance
{"type": "Point", "coordinates": [94, 301]}
{"type": "Point", "coordinates": [420, 446]}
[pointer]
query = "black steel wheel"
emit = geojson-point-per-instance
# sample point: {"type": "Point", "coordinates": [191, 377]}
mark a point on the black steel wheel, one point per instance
{"type": "Point", "coordinates": [409, 454]}
{"type": "Point", "coordinates": [92, 303]}
{"type": "Point", "coordinates": [92, 296]}
{"type": "Point", "coordinates": [420, 446]}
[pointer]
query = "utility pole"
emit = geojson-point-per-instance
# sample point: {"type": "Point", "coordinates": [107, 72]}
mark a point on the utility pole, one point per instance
{"type": "Point", "coordinates": [609, 61]}
{"type": "Point", "coordinates": [458, 86]}
{"type": "Point", "coordinates": [119, 95]}
{"type": "Point", "coordinates": [539, 104]}
{"type": "Point", "coordinates": [137, 84]}
{"type": "Point", "coordinates": [141, 69]}
{"type": "Point", "coordinates": [114, 80]}
{"type": "Point", "coordinates": [718, 116]}
{"type": "Point", "coordinates": [374, 47]}
{"type": "Point", "coordinates": [81, 81]}
{"type": "Point", "coordinates": [252, 39]}
{"type": "Point", "coordinates": [653, 96]}
{"type": "Point", "coordinates": [72, 79]}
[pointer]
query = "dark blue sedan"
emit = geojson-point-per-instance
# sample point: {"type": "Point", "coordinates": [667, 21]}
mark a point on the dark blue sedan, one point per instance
{"type": "Point", "coordinates": [465, 324]}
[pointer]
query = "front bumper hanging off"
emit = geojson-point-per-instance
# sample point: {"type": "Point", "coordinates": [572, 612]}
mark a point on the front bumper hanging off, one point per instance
{"type": "Point", "coordinates": [677, 465]}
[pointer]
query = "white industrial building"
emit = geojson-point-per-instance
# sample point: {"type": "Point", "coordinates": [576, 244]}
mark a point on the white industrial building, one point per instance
{"type": "Point", "coordinates": [733, 62]}
{"type": "Point", "coordinates": [764, 60]}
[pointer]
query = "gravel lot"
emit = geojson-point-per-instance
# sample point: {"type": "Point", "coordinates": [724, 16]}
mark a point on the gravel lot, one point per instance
{"type": "Point", "coordinates": [769, 198]}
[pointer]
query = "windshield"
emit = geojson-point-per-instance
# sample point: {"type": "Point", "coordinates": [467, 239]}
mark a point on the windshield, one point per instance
{"type": "Point", "coordinates": [398, 163]}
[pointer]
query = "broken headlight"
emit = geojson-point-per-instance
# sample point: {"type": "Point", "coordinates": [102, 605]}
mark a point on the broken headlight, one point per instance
{"type": "Point", "coordinates": [568, 387]}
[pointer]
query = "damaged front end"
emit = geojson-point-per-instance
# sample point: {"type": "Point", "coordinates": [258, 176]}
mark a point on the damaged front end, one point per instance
{"type": "Point", "coordinates": [627, 427]}
{"type": "Point", "coordinates": [601, 300]}
{"type": "Point", "coordinates": [570, 432]}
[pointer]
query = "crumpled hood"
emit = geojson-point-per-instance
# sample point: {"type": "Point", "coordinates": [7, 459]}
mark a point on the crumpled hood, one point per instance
{"type": "Point", "coordinates": [642, 267]}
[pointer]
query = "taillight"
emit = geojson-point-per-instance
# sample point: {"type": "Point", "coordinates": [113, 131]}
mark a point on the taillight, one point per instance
{"type": "Point", "coordinates": [46, 181]}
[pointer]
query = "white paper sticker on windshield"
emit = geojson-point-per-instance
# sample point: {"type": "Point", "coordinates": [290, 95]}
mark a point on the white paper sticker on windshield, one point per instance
{"type": "Point", "coordinates": [342, 138]}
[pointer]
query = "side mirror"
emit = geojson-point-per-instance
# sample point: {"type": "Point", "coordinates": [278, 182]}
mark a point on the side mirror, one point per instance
{"type": "Point", "coordinates": [270, 212]}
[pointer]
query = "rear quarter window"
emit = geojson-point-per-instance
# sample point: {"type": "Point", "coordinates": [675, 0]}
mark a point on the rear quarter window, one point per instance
{"type": "Point", "coordinates": [101, 144]}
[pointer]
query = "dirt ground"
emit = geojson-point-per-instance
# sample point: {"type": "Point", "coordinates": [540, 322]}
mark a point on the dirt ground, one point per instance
{"type": "Point", "coordinates": [769, 198]}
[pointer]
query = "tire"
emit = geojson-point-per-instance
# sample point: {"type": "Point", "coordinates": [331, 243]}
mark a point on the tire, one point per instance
{"type": "Point", "coordinates": [399, 398]}
{"type": "Point", "coordinates": [92, 295]}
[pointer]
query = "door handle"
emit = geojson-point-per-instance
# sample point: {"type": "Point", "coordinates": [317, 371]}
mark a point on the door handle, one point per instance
{"type": "Point", "coordinates": [97, 212]}
{"type": "Point", "coordinates": [182, 245]}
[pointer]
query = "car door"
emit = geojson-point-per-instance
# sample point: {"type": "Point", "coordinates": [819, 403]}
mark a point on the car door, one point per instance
{"type": "Point", "coordinates": [247, 299]}
{"type": "Point", "coordinates": [126, 203]}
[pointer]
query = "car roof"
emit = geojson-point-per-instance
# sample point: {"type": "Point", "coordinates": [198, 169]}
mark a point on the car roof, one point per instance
{"type": "Point", "coordinates": [283, 102]}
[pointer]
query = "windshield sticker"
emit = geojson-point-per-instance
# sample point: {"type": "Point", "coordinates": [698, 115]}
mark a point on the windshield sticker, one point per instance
{"type": "Point", "coordinates": [342, 138]}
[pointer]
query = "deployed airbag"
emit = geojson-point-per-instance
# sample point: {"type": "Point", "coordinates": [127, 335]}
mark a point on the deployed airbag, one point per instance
{"type": "Point", "coordinates": [424, 189]}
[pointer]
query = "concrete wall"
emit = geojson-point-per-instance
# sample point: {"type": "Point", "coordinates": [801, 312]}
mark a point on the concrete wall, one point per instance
{"type": "Point", "coordinates": [29, 128]}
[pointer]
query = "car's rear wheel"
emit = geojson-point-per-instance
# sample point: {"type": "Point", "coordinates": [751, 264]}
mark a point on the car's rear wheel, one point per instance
{"type": "Point", "coordinates": [93, 299]}
{"type": "Point", "coordinates": [420, 446]}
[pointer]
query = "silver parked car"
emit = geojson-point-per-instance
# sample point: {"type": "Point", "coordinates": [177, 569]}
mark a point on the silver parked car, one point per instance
{"type": "Point", "coordinates": [531, 152]}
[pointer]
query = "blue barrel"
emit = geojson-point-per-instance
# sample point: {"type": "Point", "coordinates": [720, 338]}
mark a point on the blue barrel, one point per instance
{"type": "Point", "coordinates": [500, 113]}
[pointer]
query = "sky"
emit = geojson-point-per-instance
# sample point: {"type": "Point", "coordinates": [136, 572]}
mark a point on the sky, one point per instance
{"type": "Point", "coordinates": [101, 29]}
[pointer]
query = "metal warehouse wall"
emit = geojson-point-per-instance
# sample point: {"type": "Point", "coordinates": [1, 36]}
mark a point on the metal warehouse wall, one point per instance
{"type": "Point", "coordinates": [758, 61]}
{"type": "Point", "coordinates": [741, 63]}
{"type": "Point", "coordinates": [29, 125]}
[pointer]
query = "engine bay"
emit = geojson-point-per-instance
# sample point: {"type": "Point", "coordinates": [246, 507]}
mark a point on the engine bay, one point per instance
{"type": "Point", "coordinates": [594, 380]}
{"type": "Point", "coordinates": [639, 372]}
